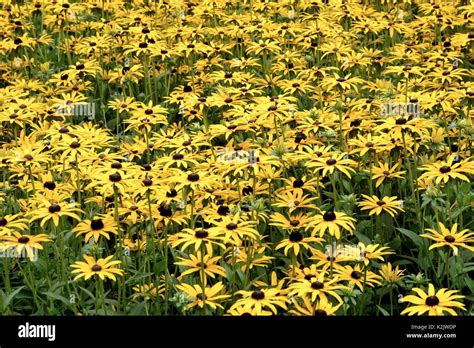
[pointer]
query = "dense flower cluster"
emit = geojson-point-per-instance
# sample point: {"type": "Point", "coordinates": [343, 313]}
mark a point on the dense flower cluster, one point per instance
{"type": "Point", "coordinates": [237, 157]}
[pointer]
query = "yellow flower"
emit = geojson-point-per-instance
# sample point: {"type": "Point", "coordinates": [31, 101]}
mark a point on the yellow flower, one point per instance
{"type": "Point", "coordinates": [335, 162]}
{"type": "Point", "coordinates": [304, 307]}
{"type": "Point", "coordinates": [355, 275]}
{"type": "Point", "coordinates": [445, 170]}
{"type": "Point", "coordinates": [333, 222]}
{"type": "Point", "coordinates": [99, 226]}
{"type": "Point", "coordinates": [206, 266]}
{"type": "Point", "coordinates": [102, 268]}
{"type": "Point", "coordinates": [21, 242]}
{"type": "Point", "coordinates": [376, 206]}
{"type": "Point", "coordinates": [209, 297]}
{"type": "Point", "coordinates": [255, 302]}
{"type": "Point", "coordinates": [451, 238]}
{"type": "Point", "coordinates": [391, 275]}
{"type": "Point", "coordinates": [435, 303]}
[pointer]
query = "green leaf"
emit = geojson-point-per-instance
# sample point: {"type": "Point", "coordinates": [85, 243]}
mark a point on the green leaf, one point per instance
{"type": "Point", "coordinates": [384, 312]}
{"type": "Point", "coordinates": [362, 237]}
{"type": "Point", "coordinates": [401, 262]}
{"type": "Point", "coordinates": [139, 309]}
{"type": "Point", "coordinates": [7, 299]}
{"type": "Point", "coordinates": [241, 275]}
{"type": "Point", "coordinates": [57, 297]}
{"type": "Point", "coordinates": [412, 235]}
{"type": "Point", "coordinates": [87, 292]}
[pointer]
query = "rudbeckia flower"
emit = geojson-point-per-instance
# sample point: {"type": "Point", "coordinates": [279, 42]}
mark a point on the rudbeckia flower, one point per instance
{"type": "Point", "coordinates": [209, 296]}
{"type": "Point", "coordinates": [444, 170]}
{"type": "Point", "coordinates": [377, 205]}
{"type": "Point", "coordinates": [433, 302]}
{"type": "Point", "coordinates": [102, 268]}
{"type": "Point", "coordinates": [332, 222]}
{"type": "Point", "coordinates": [256, 302]}
{"type": "Point", "coordinates": [26, 242]}
{"type": "Point", "coordinates": [450, 237]}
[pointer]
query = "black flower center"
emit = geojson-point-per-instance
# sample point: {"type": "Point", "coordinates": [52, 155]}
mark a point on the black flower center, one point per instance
{"type": "Point", "coordinates": [272, 108]}
{"type": "Point", "coordinates": [165, 210]}
{"type": "Point", "coordinates": [294, 223]}
{"type": "Point", "coordinates": [171, 193]}
{"type": "Point", "coordinates": [445, 169]}
{"type": "Point", "coordinates": [147, 182]}
{"type": "Point", "coordinates": [356, 275]}
{"type": "Point", "coordinates": [317, 285]}
{"type": "Point", "coordinates": [3, 222]}
{"type": "Point", "coordinates": [380, 203]}
{"type": "Point", "coordinates": [258, 295]}
{"type": "Point", "coordinates": [329, 216]}
{"type": "Point", "coordinates": [201, 234]}
{"type": "Point", "coordinates": [54, 208]}
{"type": "Point", "coordinates": [401, 121]}
{"type": "Point", "coordinates": [178, 156]}
{"type": "Point", "coordinates": [97, 224]}
{"type": "Point", "coordinates": [193, 177]}
{"type": "Point", "coordinates": [96, 268]}
{"type": "Point", "coordinates": [223, 210]}
{"type": "Point", "coordinates": [74, 145]}
{"type": "Point", "coordinates": [28, 157]}
{"type": "Point", "coordinates": [115, 177]}
{"type": "Point", "coordinates": [23, 239]}
{"type": "Point", "coordinates": [450, 239]}
{"type": "Point", "coordinates": [355, 123]}
{"type": "Point", "coordinates": [231, 226]}
{"type": "Point", "coordinates": [298, 183]}
{"type": "Point", "coordinates": [320, 313]}
{"type": "Point", "coordinates": [116, 165]}
{"type": "Point", "coordinates": [331, 162]}
{"type": "Point", "coordinates": [432, 301]}
{"type": "Point", "coordinates": [50, 185]}
{"type": "Point", "coordinates": [296, 237]}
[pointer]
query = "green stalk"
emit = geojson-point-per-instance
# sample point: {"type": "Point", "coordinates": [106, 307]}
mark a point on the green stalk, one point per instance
{"type": "Point", "coordinates": [203, 280]}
